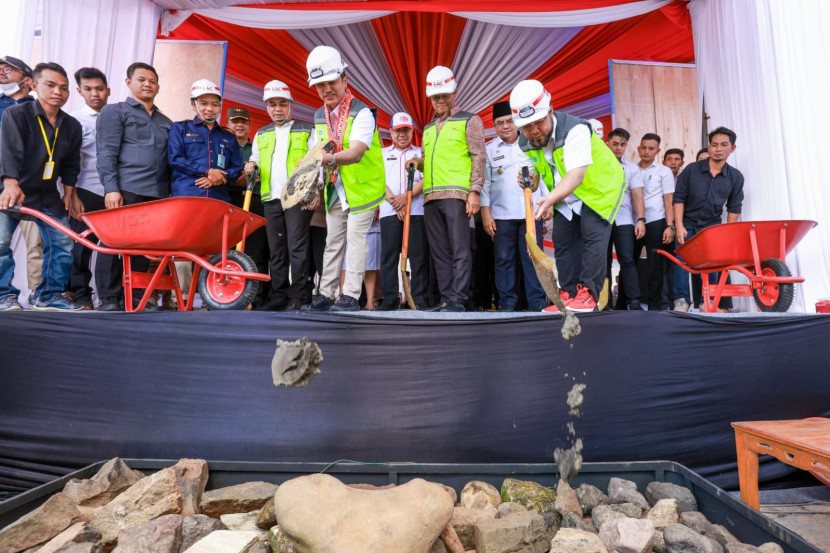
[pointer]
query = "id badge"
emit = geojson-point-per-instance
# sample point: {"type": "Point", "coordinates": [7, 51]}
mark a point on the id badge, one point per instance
{"type": "Point", "coordinates": [48, 169]}
{"type": "Point", "coordinates": [220, 160]}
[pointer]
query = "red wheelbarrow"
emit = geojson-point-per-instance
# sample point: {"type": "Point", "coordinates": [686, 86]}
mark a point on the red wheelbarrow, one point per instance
{"type": "Point", "coordinates": [200, 230]}
{"type": "Point", "coordinates": [756, 249]}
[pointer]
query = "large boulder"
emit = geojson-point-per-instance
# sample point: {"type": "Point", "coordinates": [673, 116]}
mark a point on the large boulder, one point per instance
{"type": "Point", "coordinates": [191, 477]}
{"type": "Point", "coordinates": [464, 520]}
{"type": "Point", "coordinates": [480, 495]}
{"type": "Point", "coordinates": [111, 479]}
{"type": "Point", "coordinates": [572, 540]}
{"type": "Point", "coordinates": [519, 532]}
{"type": "Point", "coordinates": [627, 535]}
{"type": "Point", "coordinates": [241, 498]}
{"type": "Point", "coordinates": [149, 498]}
{"type": "Point", "coordinates": [40, 525]}
{"type": "Point", "coordinates": [566, 499]}
{"type": "Point", "coordinates": [655, 491]}
{"type": "Point", "coordinates": [589, 497]}
{"type": "Point", "coordinates": [160, 535]}
{"type": "Point", "coordinates": [196, 527]}
{"type": "Point", "coordinates": [530, 494]}
{"type": "Point", "coordinates": [327, 516]}
{"type": "Point", "coordinates": [625, 491]}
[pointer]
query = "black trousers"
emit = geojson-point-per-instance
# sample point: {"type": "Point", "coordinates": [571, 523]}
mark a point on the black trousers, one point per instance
{"type": "Point", "coordinates": [448, 232]}
{"type": "Point", "coordinates": [581, 247]}
{"type": "Point", "coordinates": [288, 232]}
{"type": "Point", "coordinates": [483, 280]}
{"type": "Point", "coordinates": [653, 241]}
{"type": "Point", "coordinates": [622, 237]}
{"type": "Point", "coordinates": [391, 238]}
{"type": "Point", "coordinates": [256, 244]}
{"type": "Point", "coordinates": [80, 275]}
{"type": "Point", "coordinates": [109, 269]}
{"type": "Point", "coordinates": [317, 247]}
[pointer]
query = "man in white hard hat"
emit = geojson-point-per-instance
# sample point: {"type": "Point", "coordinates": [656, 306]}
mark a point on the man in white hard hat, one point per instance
{"type": "Point", "coordinates": [392, 213]}
{"type": "Point", "coordinates": [355, 179]}
{"type": "Point", "coordinates": [597, 127]}
{"type": "Point", "coordinates": [585, 185]}
{"type": "Point", "coordinates": [278, 148]}
{"type": "Point", "coordinates": [204, 156]}
{"type": "Point", "coordinates": [453, 167]}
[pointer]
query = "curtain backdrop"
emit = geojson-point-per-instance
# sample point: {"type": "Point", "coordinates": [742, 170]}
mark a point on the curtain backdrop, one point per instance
{"type": "Point", "coordinates": [762, 72]}
{"type": "Point", "coordinates": [106, 34]}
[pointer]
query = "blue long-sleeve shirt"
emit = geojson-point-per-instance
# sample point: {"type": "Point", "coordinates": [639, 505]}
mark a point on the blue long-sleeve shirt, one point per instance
{"type": "Point", "coordinates": [192, 149]}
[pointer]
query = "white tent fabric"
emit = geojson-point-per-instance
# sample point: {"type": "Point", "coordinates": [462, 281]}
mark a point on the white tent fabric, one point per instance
{"type": "Point", "coordinates": [99, 33]}
{"type": "Point", "coordinates": [484, 74]}
{"type": "Point", "coordinates": [761, 71]}
{"type": "Point", "coordinates": [272, 19]}
{"type": "Point", "coordinates": [573, 18]}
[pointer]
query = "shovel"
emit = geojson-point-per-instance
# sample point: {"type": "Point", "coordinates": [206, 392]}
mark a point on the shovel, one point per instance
{"type": "Point", "coordinates": [250, 181]}
{"type": "Point", "coordinates": [542, 264]}
{"type": "Point", "coordinates": [410, 177]}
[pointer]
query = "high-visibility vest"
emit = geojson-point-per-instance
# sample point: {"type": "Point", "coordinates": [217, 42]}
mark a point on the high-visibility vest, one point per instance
{"type": "Point", "coordinates": [447, 162]}
{"type": "Point", "coordinates": [604, 185]}
{"type": "Point", "coordinates": [365, 181]}
{"type": "Point", "coordinates": [297, 148]}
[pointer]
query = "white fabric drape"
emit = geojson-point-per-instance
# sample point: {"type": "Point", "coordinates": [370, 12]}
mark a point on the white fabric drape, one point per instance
{"type": "Point", "coordinates": [762, 72]}
{"type": "Point", "coordinates": [368, 70]}
{"type": "Point", "coordinates": [243, 92]}
{"type": "Point", "coordinates": [491, 59]}
{"type": "Point", "coordinates": [572, 18]}
{"type": "Point", "coordinates": [107, 34]}
{"type": "Point", "coordinates": [272, 18]}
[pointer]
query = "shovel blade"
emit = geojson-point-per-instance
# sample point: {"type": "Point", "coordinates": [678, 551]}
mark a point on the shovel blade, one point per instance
{"type": "Point", "coordinates": [545, 269]}
{"type": "Point", "coordinates": [301, 187]}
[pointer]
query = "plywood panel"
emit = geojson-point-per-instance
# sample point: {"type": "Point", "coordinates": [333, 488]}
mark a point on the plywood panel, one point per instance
{"type": "Point", "coordinates": [675, 108]}
{"type": "Point", "coordinates": [179, 64]}
{"type": "Point", "coordinates": [633, 102]}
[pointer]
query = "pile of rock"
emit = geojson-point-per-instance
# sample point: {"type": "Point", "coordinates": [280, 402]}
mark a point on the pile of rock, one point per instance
{"type": "Point", "coordinates": [123, 511]}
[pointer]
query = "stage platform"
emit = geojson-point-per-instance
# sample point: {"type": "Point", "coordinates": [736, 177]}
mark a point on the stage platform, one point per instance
{"type": "Point", "coordinates": [399, 387]}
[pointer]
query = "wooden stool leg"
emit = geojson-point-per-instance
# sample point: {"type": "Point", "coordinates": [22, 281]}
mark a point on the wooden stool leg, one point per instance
{"type": "Point", "coordinates": [747, 471]}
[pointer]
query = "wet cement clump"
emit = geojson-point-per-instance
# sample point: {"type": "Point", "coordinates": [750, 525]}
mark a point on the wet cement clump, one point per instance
{"type": "Point", "coordinates": [570, 325]}
{"type": "Point", "coordinates": [569, 460]}
{"type": "Point", "coordinates": [575, 399]}
{"type": "Point", "coordinates": [295, 363]}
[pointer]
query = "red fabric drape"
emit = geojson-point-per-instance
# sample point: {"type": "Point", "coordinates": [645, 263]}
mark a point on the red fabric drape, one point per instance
{"type": "Point", "coordinates": [414, 43]}
{"type": "Point", "coordinates": [443, 6]}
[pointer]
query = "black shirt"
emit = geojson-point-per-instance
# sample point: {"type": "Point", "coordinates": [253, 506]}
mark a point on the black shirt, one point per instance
{"type": "Point", "coordinates": [704, 196]}
{"type": "Point", "coordinates": [23, 154]}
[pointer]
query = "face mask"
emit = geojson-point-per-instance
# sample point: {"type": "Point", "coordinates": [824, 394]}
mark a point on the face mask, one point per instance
{"type": "Point", "coordinates": [10, 88]}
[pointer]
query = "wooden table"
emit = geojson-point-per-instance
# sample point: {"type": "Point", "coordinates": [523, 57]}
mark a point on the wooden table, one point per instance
{"type": "Point", "coordinates": [804, 444]}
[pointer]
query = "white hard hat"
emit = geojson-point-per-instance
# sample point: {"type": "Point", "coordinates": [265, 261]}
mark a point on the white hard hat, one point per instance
{"type": "Point", "coordinates": [529, 102]}
{"type": "Point", "coordinates": [202, 87]}
{"type": "Point", "coordinates": [598, 127]}
{"type": "Point", "coordinates": [401, 120]}
{"type": "Point", "coordinates": [440, 80]}
{"type": "Point", "coordinates": [276, 89]}
{"type": "Point", "coordinates": [324, 64]}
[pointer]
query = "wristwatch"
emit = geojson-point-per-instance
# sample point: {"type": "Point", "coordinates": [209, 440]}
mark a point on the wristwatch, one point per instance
{"type": "Point", "coordinates": [643, 219]}
{"type": "Point", "coordinates": [476, 192]}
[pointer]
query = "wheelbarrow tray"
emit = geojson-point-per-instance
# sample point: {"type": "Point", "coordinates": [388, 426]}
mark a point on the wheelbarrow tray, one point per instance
{"type": "Point", "coordinates": [192, 225]}
{"type": "Point", "coordinates": [730, 243]}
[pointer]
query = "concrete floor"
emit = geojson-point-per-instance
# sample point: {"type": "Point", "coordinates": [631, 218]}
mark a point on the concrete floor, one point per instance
{"type": "Point", "coordinates": [810, 521]}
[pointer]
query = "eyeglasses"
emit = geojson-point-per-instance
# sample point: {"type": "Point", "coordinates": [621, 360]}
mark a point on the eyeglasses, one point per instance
{"type": "Point", "coordinates": [8, 69]}
{"type": "Point", "coordinates": [506, 123]}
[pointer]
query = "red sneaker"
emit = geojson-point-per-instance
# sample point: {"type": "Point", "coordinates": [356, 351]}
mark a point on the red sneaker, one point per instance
{"type": "Point", "coordinates": [553, 309]}
{"type": "Point", "coordinates": [583, 302]}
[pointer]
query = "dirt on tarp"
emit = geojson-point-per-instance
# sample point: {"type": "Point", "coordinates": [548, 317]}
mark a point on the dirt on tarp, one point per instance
{"type": "Point", "coordinates": [295, 363]}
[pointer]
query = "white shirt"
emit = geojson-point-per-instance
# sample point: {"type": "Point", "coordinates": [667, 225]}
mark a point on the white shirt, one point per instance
{"type": "Point", "coordinates": [657, 181]}
{"type": "Point", "coordinates": [88, 178]}
{"type": "Point", "coordinates": [501, 191]}
{"type": "Point", "coordinates": [279, 159]}
{"type": "Point", "coordinates": [363, 130]}
{"type": "Point", "coordinates": [634, 177]}
{"type": "Point", "coordinates": [394, 160]}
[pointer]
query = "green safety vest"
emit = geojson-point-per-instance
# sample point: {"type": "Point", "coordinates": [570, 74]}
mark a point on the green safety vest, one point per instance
{"type": "Point", "coordinates": [297, 148]}
{"type": "Point", "coordinates": [365, 181]}
{"type": "Point", "coordinates": [447, 162]}
{"type": "Point", "coordinates": [604, 184]}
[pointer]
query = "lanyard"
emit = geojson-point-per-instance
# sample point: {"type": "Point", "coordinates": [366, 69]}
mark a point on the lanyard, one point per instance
{"type": "Point", "coordinates": [337, 135]}
{"type": "Point", "coordinates": [49, 149]}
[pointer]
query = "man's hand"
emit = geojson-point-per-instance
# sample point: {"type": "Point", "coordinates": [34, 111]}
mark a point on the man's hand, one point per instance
{"type": "Point", "coordinates": [545, 209]}
{"type": "Point", "coordinates": [416, 162]}
{"type": "Point", "coordinates": [639, 230]}
{"type": "Point", "coordinates": [216, 177]}
{"type": "Point", "coordinates": [534, 180]}
{"type": "Point", "coordinates": [681, 233]}
{"type": "Point", "coordinates": [668, 236]}
{"type": "Point", "coordinates": [77, 208]}
{"type": "Point", "coordinates": [113, 199]}
{"type": "Point", "coordinates": [12, 195]}
{"type": "Point", "coordinates": [398, 201]}
{"type": "Point", "coordinates": [473, 204]}
{"type": "Point", "coordinates": [69, 199]}
{"type": "Point", "coordinates": [250, 166]}
{"type": "Point", "coordinates": [488, 222]}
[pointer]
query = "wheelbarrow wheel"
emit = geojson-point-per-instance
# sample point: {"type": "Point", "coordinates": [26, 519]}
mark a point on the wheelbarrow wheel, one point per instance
{"type": "Point", "coordinates": [228, 292]}
{"type": "Point", "coordinates": [774, 296]}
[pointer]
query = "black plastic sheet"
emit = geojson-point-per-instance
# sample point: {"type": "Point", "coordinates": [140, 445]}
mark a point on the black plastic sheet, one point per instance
{"type": "Point", "coordinates": [79, 388]}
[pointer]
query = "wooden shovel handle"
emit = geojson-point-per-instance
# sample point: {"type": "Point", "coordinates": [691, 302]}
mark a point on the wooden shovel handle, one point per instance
{"type": "Point", "coordinates": [530, 222]}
